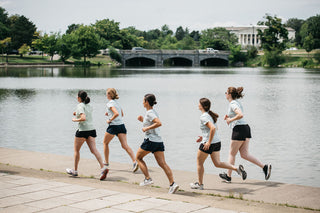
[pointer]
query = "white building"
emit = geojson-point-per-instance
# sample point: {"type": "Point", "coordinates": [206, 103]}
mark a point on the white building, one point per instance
{"type": "Point", "coordinates": [249, 35]}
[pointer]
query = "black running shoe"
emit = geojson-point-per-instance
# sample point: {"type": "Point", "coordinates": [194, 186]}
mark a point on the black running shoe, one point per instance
{"type": "Point", "coordinates": [225, 177]}
{"type": "Point", "coordinates": [267, 171]}
{"type": "Point", "coordinates": [241, 172]}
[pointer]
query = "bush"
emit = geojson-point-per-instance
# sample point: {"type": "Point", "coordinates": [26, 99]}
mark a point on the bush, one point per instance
{"type": "Point", "coordinates": [114, 54]}
{"type": "Point", "coordinates": [317, 56]}
{"type": "Point", "coordinates": [236, 55]}
{"type": "Point", "coordinates": [273, 58]}
{"type": "Point", "coordinates": [252, 52]}
{"type": "Point", "coordinates": [307, 63]}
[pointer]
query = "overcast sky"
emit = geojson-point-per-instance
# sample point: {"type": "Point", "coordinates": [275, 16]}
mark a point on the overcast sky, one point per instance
{"type": "Point", "coordinates": [56, 15]}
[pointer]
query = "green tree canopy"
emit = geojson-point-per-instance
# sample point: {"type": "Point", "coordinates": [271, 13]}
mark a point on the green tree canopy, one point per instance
{"type": "Point", "coordinates": [72, 28]}
{"type": "Point", "coordinates": [296, 24]}
{"type": "Point", "coordinates": [4, 24]}
{"type": "Point", "coordinates": [311, 29]}
{"type": "Point", "coordinates": [22, 31]}
{"type": "Point", "coordinates": [108, 30]}
{"type": "Point", "coordinates": [50, 44]}
{"type": "Point", "coordinates": [217, 38]}
{"type": "Point", "coordinates": [275, 36]}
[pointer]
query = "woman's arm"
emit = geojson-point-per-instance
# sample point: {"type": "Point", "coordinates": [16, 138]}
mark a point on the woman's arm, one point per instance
{"type": "Point", "coordinates": [115, 114]}
{"type": "Point", "coordinates": [156, 124]}
{"type": "Point", "coordinates": [211, 134]}
{"type": "Point", "coordinates": [82, 118]}
{"type": "Point", "coordinates": [238, 116]}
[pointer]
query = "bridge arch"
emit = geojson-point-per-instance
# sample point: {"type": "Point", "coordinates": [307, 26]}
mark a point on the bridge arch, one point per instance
{"type": "Point", "coordinates": [214, 61]}
{"type": "Point", "coordinates": [140, 61]}
{"type": "Point", "coordinates": [178, 61]}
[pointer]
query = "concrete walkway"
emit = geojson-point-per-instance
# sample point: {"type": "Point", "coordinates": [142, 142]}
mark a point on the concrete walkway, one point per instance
{"type": "Point", "coordinates": [25, 173]}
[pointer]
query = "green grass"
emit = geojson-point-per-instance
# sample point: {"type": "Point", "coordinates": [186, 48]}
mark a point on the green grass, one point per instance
{"type": "Point", "coordinates": [26, 59]}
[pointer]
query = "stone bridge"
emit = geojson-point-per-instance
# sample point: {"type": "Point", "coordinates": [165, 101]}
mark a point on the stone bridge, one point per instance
{"type": "Point", "coordinates": [160, 58]}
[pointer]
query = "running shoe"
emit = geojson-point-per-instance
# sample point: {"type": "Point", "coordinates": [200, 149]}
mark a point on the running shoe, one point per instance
{"type": "Point", "coordinates": [241, 172]}
{"type": "Point", "coordinates": [146, 182]}
{"type": "Point", "coordinates": [104, 172]}
{"type": "Point", "coordinates": [225, 177]}
{"type": "Point", "coordinates": [267, 171]}
{"type": "Point", "coordinates": [135, 167]}
{"type": "Point", "coordinates": [196, 185]}
{"type": "Point", "coordinates": [72, 172]}
{"type": "Point", "coordinates": [173, 188]}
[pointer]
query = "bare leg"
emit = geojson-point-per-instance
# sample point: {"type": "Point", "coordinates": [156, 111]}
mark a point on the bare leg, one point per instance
{"type": "Point", "coordinates": [123, 140]}
{"type": "Point", "coordinates": [77, 146]}
{"type": "Point", "coordinates": [234, 148]}
{"type": "Point", "coordinates": [201, 157]}
{"type": "Point", "coordinates": [142, 165]}
{"type": "Point", "coordinates": [106, 140]}
{"type": "Point", "coordinates": [92, 146]}
{"type": "Point", "coordinates": [215, 157]}
{"type": "Point", "coordinates": [244, 153]}
{"type": "Point", "coordinates": [162, 163]}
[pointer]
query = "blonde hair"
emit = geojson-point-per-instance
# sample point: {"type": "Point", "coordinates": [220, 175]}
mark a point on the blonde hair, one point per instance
{"type": "Point", "coordinates": [113, 93]}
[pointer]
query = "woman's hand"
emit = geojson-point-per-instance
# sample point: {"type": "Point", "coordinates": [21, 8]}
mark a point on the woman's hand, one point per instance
{"type": "Point", "coordinates": [227, 119]}
{"type": "Point", "coordinates": [199, 139]}
{"type": "Point", "coordinates": [106, 114]}
{"type": "Point", "coordinates": [206, 146]}
{"type": "Point", "coordinates": [108, 121]}
{"type": "Point", "coordinates": [144, 129]}
{"type": "Point", "coordinates": [74, 119]}
{"type": "Point", "coordinates": [140, 118]}
{"type": "Point", "coordinates": [74, 113]}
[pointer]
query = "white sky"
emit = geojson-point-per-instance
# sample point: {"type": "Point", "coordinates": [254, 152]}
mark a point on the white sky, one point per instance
{"type": "Point", "coordinates": [56, 15]}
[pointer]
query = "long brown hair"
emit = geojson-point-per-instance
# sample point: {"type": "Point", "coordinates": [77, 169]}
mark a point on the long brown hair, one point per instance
{"type": "Point", "coordinates": [235, 93]}
{"type": "Point", "coordinates": [206, 104]}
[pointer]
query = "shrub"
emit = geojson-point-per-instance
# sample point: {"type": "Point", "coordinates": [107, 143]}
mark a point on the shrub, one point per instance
{"type": "Point", "coordinates": [317, 56]}
{"type": "Point", "coordinates": [273, 58]}
{"type": "Point", "coordinates": [113, 53]}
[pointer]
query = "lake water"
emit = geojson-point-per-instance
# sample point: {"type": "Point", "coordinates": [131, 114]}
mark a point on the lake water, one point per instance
{"type": "Point", "coordinates": [281, 106]}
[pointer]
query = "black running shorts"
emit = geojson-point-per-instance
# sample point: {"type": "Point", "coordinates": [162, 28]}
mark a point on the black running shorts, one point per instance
{"type": "Point", "coordinates": [241, 132]}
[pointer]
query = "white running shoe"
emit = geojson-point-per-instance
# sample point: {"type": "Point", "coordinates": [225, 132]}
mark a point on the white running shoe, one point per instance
{"type": "Point", "coordinates": [72, 172]}
{"type": "Point", "coordinates": [146, 182]}
{"type": "Point", "coordinates": [196, 185]}
{"type": "Point", "coordinates": [173, 188]}
{"type": "Point", "coordinates": [135, 167]}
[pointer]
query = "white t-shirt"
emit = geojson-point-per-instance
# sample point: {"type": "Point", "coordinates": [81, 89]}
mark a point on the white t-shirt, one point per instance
{"type": "Point", "coordinates": [235, 104]}
{"type": "Point", "coordinates": [204, 119]}
{"type": "Point", "coordinates": [87, 110]}
{"type": "Point", "coordinates": [152, 134]}
{"type": "Point", "coordinates": [118, 120]}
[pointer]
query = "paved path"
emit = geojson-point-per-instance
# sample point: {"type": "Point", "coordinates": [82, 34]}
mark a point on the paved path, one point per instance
{"type": "Point", "coordinates": [248, 196]}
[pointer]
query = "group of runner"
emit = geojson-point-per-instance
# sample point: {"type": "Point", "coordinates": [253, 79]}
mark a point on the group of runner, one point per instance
{"type": "Point", "coordinates": [210, 143]}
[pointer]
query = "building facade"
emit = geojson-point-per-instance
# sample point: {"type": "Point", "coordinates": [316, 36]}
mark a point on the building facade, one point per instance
{"type": "Point", "coordinates": [248, 36]}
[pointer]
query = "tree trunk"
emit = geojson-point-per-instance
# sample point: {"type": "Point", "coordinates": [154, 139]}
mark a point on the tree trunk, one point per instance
{"type": "Point", "coordinates": [84, 58]}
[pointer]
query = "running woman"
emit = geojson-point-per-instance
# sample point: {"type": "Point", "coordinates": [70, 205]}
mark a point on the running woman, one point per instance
{"type": "Point", "coordinates": [241, 134]}
{"type": "Point", "coordinates": [85, 133]}
{"type": "Point", "coordinates": [116, 128]}
{"type": "Point", "coordinates": [153, 143]}
{"type": "Point", "coordinates": [210, 144]}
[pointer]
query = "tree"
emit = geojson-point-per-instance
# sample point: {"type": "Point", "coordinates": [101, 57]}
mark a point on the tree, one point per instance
{"type": "Point", "coordinates": [218, 38]}
{"type": "Point", "coordinates": [37, 42]}
{"type": "Point", "coordinates": [275, 36]}
{"type": "Point", "coordinates": [273, 40]}
{"type": "Point", "coordinates": [50, 44]}
{"type": "Point", "coordinates": [152, 35]}
{"type": "Point", "coordinates": [22, 31]}
{"type": "Point", "coordinates": [72, 28]}
{"type": "Point", "coordinates": [187, 43]}
{"type": "Point", "coordinates": [308, 43]}
{"type": "Point", "coordinates": [108, 30]}
{"type": "Point", "coordinates": [236, 55]}
{"type": "Point", "coordinates": [296, 24]}
{"type": "Point", "coordinates": [5, 46]}
{"type": "Point", "coordinates": [4, 24]}
{"type": "Point", "coordinates": [311, 29]}
{"type": "Point", "coordinates": [195, 35]}
{"type": "Point", "coordinates": [180, 33]}
{"type": "Point", "coordinates": [165, 31]}
{"type": "Point", "coordinates": [64, 46]}
{"type": "Point", "coordinates": [86, 42]}
{"type": "Point", "coordinates": [24, 49]}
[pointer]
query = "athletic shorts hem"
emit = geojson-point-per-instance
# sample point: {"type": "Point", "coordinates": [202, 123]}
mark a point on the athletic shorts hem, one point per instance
{"type": "Point", "coordinates": [215, 147]}
{"type": "Point", "coordinates": [86, 134]}
{"type": "Point", "coordinates": [151, 146]}
{"type": "Point", "coordinates": [241, 132]}
{"type": "Point", "coordinates": [116, 129]}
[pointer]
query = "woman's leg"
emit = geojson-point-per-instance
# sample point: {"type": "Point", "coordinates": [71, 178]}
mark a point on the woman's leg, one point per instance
{"type": "Point", "coordinates": [143, 167]}
{"type": "Point", "coordinates": [106, 140]}
{"type": "Point", "coordinates": [244, 153]}
{"type": "Point", "coordinates": [234, 148]}
{"type": "Point", "coordinates": [92, 146]}
{"type": "Point", "coordinates": [162, 163]}
{"type": "Point", "coordinates": [123, 140]}
{"type": "Point", "coordinates": [201, 157]}
{"type": "Point", "coordinates": [77, 146]}
{"type": "Point", "coordinates": [215, 157]}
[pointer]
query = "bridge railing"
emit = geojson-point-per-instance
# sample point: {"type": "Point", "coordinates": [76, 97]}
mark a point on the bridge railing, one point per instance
{"type": "Point", "coordinates": [149, 51]}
